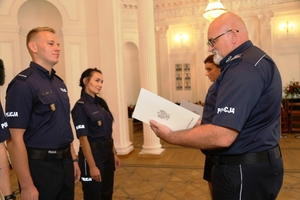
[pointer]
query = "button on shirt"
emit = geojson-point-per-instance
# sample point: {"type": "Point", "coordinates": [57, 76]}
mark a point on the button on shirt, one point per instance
{"type": "Point", "coordinates": [247, 97]}
{"type": "Point", "coordinates": [4, 132]}
{"type": "Point", "coordinates": [39, 103]}
{"type": "Point", "coordinates": [91, 120]}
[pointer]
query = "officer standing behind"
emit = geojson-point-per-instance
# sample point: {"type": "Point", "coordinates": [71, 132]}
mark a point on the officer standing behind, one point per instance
{"type": "Point", "coordinates": [93, 122]}
{"type": "Point", "coordinates": [38, 114]}
{"type": "Point", "coordinates": [212, 72]}
{"type": "Point", "coordinates": [5, 187]}
{"type": "Point", "coordinates": [242, 138]}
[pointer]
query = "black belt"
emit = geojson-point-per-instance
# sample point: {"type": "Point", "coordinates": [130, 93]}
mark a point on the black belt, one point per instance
{"type": "Point", "coordinates": [48, 154]}
{"type": "Point", "coordinates": [248, 158]}
{"type": "Point", "coordinates": [102, 144]}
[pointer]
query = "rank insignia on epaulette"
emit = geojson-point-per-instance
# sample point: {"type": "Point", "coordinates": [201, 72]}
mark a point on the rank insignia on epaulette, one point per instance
{"type": "Point", "coordinates": [52, 106]}
{"type": "Point", "coordinates": [99, 123]}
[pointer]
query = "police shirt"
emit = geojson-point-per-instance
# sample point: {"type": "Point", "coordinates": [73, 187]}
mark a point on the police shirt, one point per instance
{"type": "Point", "coordinates": [247, 97]}
{"type": "Point", "coordinates": [4, 132]}
{"type": "Point", "coordinates": [209, 107]}
{"type": "Point", "coordinates": [39, 103]}
{"type": "Point", "coordinates": [91, 120]}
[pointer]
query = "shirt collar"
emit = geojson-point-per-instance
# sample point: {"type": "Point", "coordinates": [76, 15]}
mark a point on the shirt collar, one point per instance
{"type": "Point", "coordinates": [90, 98]}
{"type": "Point", "coordinates": [41, 70]}
{"type": "Point", "coordinates": [235, 53]}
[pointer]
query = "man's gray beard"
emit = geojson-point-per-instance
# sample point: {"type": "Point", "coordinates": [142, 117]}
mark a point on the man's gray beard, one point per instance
{"type": "Point", "coordinates": [217, 57]}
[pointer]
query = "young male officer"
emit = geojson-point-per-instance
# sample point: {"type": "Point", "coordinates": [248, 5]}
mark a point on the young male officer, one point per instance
{"type": "Point", "coordinates": [38, 114]}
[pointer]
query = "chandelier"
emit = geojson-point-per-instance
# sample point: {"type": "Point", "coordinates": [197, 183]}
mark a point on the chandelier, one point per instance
{"type": "Point", "coordinates": [213, 10]}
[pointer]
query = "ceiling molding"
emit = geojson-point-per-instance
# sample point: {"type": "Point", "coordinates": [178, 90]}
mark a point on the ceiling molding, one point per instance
{"type": "Point", "coordinates": [167, 12]}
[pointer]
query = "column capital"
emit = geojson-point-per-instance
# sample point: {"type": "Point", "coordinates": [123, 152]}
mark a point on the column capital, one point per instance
{"type": "Point", "coordinates": [162, 30]}
{"type": "Point", "coordinates": [265, 18]}
{"type": "Point", "coordinates": [199, 26]}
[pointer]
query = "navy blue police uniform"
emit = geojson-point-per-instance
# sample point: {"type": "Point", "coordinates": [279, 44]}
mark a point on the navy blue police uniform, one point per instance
{"type": "Point", "coordinates": [207, 116]}
{"type": "Point", "coordinates": [4, 132]}
{"type": "Point", "coordinates": [39, 103]}
{"type": "Point", "coordinates": [94, 121]}
{"type": "Point", "coordinates": [248, 95]}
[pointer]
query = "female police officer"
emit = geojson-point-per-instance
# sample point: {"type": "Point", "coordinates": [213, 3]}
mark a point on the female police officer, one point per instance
{"type": "Point", "coordinates": [93, 122]}
{"type": "Point", "coordinates": [212, 72]}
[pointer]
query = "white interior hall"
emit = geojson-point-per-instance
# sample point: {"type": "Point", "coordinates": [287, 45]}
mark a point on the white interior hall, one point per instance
{"type": "Point", "coordinates": [141, 43]}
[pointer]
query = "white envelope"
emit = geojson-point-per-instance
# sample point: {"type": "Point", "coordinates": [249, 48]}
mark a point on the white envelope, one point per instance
{"type": "Point", "coordinates": [198, 109]}
{"type": "Point", "coordinates": [151, 106]}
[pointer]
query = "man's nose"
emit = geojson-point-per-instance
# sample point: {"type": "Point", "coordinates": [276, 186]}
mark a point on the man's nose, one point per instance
{"type": "Point", "coordinates": [210, 48]}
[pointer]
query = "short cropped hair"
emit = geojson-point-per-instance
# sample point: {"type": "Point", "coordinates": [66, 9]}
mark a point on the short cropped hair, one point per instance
{"type": "Point", "coordinates": [36, 30]}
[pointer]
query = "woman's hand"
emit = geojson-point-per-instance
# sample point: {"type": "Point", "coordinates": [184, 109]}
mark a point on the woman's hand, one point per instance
{"type": "Point", "coordinates": [95, 173]}
{"type": "Point", "coordinates": [117, 161]}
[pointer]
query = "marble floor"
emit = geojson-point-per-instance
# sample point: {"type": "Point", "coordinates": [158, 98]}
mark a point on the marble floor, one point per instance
{"type": "Point", "coordinates": [177, 174]}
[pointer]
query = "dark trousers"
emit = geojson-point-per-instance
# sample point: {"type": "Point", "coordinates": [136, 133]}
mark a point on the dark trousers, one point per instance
{"type": "Point", "coordinates": [208, 165]}
{"type": "Point", "coordinates": [247, 182]}
{"type": "Point", "coordinates": [54, 179]}
{"type": "Point", "coordinates": [93, 190]}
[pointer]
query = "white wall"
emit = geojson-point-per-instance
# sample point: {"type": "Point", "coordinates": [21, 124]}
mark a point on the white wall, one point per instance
{"type": "Point", "coordinates": [132, 73]}
{"type": "Point", "coordinates": [286, 45]}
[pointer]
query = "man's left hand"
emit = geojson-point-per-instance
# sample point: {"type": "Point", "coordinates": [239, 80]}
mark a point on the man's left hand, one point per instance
{"type": "Point", "coordinates": [161, 131]}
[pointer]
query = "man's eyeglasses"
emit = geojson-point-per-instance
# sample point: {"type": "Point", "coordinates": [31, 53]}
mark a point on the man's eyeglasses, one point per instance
{"type": "Point", "coordinates": [212, 42]}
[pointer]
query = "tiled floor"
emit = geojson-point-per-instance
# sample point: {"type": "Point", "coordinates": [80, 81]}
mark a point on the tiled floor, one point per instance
{"type": "Point", "coordinates": [170, 178]}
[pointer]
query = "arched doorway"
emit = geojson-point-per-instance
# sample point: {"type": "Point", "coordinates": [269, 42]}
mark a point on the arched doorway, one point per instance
{"type": "Point", "coordinates": [36, 13]}
{"type": "Point", "coordinates": [132, 85]}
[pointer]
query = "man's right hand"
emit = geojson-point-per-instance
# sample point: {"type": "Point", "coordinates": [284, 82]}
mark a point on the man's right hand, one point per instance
{"type": "Point", "coordinates": [29, 193]}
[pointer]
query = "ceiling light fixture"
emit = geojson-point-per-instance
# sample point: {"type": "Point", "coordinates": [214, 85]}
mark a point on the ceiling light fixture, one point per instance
{"type": "Point", "coordinates": [213, 10]}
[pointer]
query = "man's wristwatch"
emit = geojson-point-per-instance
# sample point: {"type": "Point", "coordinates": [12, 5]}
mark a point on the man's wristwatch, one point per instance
{"type": "Point", "coordinates": [75, 160]}
{"type": "Point", "coordinates": [10, 197]}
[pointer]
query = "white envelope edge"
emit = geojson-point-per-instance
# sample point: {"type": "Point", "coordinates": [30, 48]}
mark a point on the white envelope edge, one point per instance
{"type": "Point", "coordinates": [198, 109]}
{"type": "Point", "coordinates": [151, 106]}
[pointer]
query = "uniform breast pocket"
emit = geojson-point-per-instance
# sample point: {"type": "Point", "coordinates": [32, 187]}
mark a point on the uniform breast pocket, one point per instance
{"type": "Point", "coordinates": [47, 103]}
{"type": "Point", "coordinates": [95, 119]}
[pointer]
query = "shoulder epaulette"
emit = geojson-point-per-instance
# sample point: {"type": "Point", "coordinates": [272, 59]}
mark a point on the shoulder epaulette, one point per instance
{"type": "Point", "coordinates": [81, 102]}
{"type": "Point", "coordinates": [254, 55]}
{"type": "Point", "coordinates": [24, 74]}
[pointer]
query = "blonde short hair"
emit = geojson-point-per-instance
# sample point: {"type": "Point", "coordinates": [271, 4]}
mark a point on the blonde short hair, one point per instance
{"type": "Point", "coordinates": [36, 30]}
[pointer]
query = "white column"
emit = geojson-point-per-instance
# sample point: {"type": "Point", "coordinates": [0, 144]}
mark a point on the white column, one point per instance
{"type": "Point", "coordinates": [201, 89]}
{"type": "Point", "coordinates": [266, 32]}
{"type": "Point", "coordinates": [11, 44]}
{"type": "Point", "coordinates": [148, 68]}
{"type": "Point", "coordinates": [164, 66]}
{"type": "Point", "coordinates": [71, 64]}
{"type": "Point", "coordinates": [111, 65]}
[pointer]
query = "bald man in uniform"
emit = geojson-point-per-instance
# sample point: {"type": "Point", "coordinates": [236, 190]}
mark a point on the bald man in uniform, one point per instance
{"type": "Point", "coordinates": [242, 138]}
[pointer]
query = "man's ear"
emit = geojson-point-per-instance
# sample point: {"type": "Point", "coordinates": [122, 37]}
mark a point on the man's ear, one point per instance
{"type": "Point", "coordinates": [234, 38]}
{"type": "Point", "coordinates": [32, 46]}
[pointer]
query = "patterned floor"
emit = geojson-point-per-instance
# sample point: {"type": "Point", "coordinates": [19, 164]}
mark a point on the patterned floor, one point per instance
{"type": "Point", "coordinates": [144, 183]}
